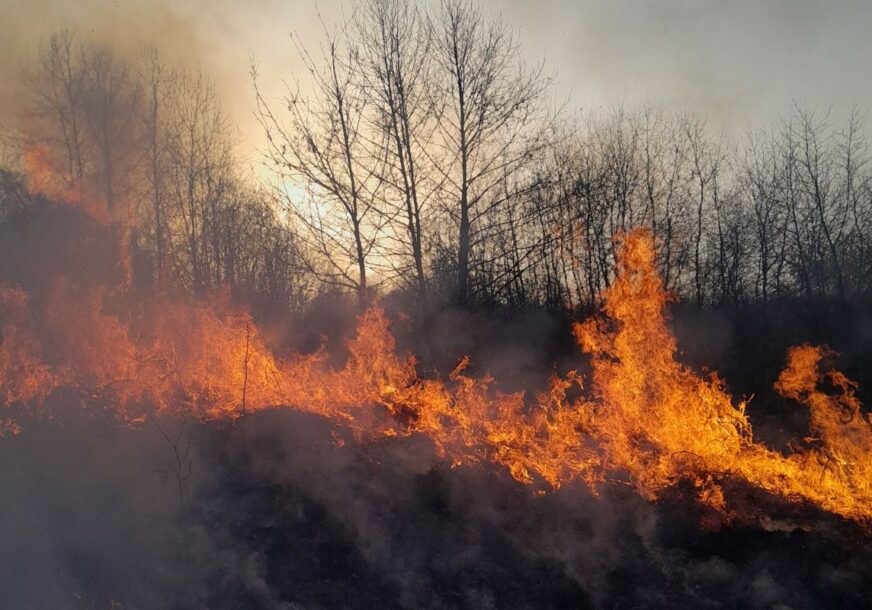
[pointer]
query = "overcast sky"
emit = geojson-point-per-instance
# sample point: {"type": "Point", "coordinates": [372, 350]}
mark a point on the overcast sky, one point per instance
{"type": "Point", "coordinates": [740, 62]}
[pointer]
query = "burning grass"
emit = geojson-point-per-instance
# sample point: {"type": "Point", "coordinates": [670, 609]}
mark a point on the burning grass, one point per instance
{"type": "Point", "coordinates": [641, 416]}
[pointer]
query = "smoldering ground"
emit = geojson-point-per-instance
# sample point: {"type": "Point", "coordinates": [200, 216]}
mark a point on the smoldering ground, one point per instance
{"type": "Point", "coordinates": [276, 514]}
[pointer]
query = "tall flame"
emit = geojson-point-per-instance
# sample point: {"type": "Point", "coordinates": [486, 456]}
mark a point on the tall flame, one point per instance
{"type": "Point", "coordinates": [641, 416]}
{"type": "Point", "coordinates": [654, 418]}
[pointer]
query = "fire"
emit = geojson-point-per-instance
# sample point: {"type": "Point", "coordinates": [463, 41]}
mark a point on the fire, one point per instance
{"type": "Point", "coordinates": [659, 422]}
{"type": "Point", "coordinates": [654, 418]}
{"type": "Point", "coordinates": [24, 377]}
{"type": "Point", "coordinates": [841, 457]}
{"type": "Point", "coordinates": [641, 416]}
{"type": "Point", "coordinates": [44, 178]}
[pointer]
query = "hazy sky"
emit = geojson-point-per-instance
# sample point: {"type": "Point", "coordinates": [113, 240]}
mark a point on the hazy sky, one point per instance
{"type": "Point", "coordinates": [740, 62]}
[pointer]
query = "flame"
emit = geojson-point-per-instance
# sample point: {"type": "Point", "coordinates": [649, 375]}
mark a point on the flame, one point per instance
{"type": "Point", "coordinates": [24, 377]}
{"type": "Point", "coordinates": [44, 178]}
{"type": "Point", "coordinates": [641, 416]}
{"type": "Point", "coordinates": [660, 423]}
{"type": "Point", "coordinates": [654, 417]}
{"type": "Point", "coordinates": [842, 458]}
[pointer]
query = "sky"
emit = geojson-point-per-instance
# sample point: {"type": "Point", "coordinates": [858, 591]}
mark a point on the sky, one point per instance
{"type": "Point", "coordinates": [741, 63]}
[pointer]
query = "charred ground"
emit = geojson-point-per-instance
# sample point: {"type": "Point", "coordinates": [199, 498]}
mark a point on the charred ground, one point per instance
{"type": "Point", "coordinates": [286, 518]}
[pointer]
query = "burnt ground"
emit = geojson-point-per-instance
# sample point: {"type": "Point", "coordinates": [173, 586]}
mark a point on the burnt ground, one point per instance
{"type": "Point", "coordinates": [279, 515]}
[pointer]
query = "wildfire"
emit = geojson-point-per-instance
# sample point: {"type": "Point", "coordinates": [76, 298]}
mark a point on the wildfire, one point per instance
{"type": "Point", "coordinates": [44, 178]}
{"type": "Point", "coordinates": [641, 416]}
{"type": "Point", "coordinates": [659, 422]}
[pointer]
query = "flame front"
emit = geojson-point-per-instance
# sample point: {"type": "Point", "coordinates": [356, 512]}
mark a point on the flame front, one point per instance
{"type": "Point", "coordinates": [641, 417]}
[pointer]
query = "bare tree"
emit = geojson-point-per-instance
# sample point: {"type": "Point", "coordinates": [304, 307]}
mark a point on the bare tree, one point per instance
{"type": "Point", "coordinates": [760, 185]}
{"type": "Point", "coordinates": [200, 172]}
{"type": "Point", "coordinates": [489, 127]}
{"type": "Point", "coordinates": [325, 171]}
{"type": "Point", "coordinates": [816, 169]}
{"type": "Point", "coordinates": [395, 46]}
{"type": "Point", "coordinates": [157, 83]}
{"type": "Point", "coordinates": [56, 86]}
{"type": "Point", "coordinates": [110, 98]}
{"type": "Point", "coordinates": [854, 189]}
{"type": "Point", "coordinates": [705, 161]}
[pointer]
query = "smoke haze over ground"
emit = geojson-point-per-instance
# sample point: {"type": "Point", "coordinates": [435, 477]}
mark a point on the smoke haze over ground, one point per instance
{"type": "Point", "coordinates": [291, 520]}
{"type": "Point", "coordinates": [291, 510]}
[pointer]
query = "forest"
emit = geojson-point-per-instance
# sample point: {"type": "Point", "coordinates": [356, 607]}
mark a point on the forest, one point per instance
{"type": "Point", "coordinates": [424, 158]}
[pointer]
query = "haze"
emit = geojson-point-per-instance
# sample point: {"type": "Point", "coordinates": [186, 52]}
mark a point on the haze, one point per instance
{"type": "Point", "coordinates": [741, 63]}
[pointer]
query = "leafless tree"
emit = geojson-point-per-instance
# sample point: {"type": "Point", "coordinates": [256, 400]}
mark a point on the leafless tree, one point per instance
{"type": "Point", "coordinates": [424, 156]}
{"type": "Point", "coordinates": [394, 56]}
{"type": "Point", "coordinates": [110, 101]}
{"type": "Point", "coordinates": [200, 173]}
{"type": "Point", "coordinates": [56, 85]}
{"type": "Point", "coordinates": [158, 87]}
{"type": "Point", "coordinates": [490, 124]}
{"type": "Point", "coordinates": [323, 166]}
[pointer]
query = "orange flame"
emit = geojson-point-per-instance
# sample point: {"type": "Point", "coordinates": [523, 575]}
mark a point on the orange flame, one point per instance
{"type": "Point", "coordinates": [654, 418]}
{"type": "Point", "coordinates": [641, 415]}
{"type": "Point", "coordinates": [44, 178]}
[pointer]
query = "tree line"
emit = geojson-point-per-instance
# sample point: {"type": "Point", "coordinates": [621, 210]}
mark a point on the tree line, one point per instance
{"type": "Point", "coordinates": [151, 143]}
{"type": "Point", "coordinates": [432, 157]}
{"type": "Point", "coordinates": [419, 153]}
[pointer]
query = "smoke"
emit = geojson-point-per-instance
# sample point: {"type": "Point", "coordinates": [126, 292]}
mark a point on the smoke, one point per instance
{"type": "Point", "coordinates": [280, 516]}
{"type": "Point", "coordinates": [185, 34]}
{"type": "Point", "coordinates": [128, 28]}
{"type": "Point", "coordinates": [222, 37]}
{"type": "Point", "coordinates": [290, 510]}
{"type": "Point", "coordinates": [92, 517]}
{"type": "Point", "coordinates": [739, 65]}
